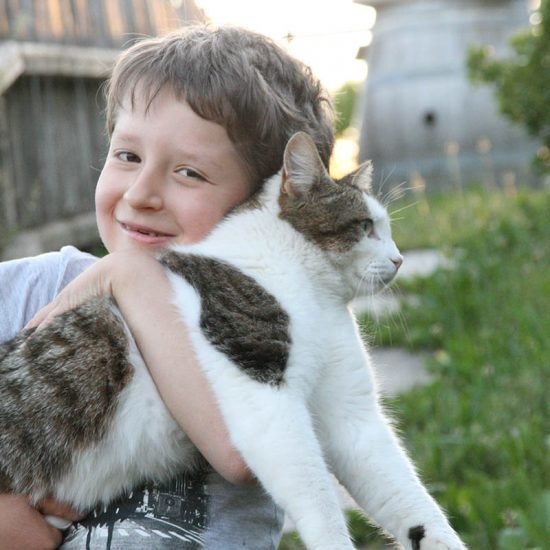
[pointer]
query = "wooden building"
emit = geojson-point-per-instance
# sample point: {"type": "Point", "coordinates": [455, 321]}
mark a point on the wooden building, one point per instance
{"type": "Point", "coordinates": [54, 58]}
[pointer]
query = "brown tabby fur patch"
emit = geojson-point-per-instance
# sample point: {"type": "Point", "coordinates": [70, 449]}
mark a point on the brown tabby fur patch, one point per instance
{"type": "Point", "coordinates": [238, 316]}
{"type": "Point", "coordinates": [314, 216]}
{"type": "Point", "coordinates": [48, 386]}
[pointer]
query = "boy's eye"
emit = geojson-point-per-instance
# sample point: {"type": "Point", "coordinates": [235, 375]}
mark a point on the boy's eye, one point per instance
{"type": "Point", "coordinates": [190, 173]}
{"type": "Point", "coordinates": [126, 156]}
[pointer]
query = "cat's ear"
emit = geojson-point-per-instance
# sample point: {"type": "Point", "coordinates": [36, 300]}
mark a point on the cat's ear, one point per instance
{"type": "Point", "coordinates": [302, 166]}
{"type": "Point", "coordinates": [362, 177]}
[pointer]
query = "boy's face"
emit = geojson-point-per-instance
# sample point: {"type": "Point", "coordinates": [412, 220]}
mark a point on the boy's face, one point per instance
{"type": "Point", "coordinates": [170, 177]}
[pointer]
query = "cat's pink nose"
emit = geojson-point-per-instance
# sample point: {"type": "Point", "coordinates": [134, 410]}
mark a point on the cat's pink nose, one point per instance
{"type": "Point", "coordinates": [397, 261]}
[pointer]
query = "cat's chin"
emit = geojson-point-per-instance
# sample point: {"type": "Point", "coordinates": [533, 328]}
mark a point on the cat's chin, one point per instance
{"type": "Point", "coordinates": [373, 287]}
{"type": "Point", "coordinates": [374, 281]}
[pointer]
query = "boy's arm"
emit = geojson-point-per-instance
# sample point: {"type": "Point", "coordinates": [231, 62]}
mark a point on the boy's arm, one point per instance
{"type": "Point", "coordinates": [144, 295]}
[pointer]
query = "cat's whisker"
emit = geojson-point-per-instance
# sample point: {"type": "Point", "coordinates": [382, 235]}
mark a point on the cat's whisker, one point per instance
{"type": "Point", "coordinates": [396, 193]}
{"type": "Point", "coordinates": [403, 208]}
{"type": "Point", "coordinates": [396, 317]}
{"type": "Point", "coordinates": [383, 198]}
{"type": "Point", "coordinates": [383, 184]}
{"type": "Point", "coordinates": [358, 291]}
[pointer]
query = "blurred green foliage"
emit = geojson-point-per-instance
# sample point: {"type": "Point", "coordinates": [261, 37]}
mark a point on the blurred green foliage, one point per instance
{"type": "Point", "coordinates": [522, 82]}
{"type": "Point", "coordinates": [480, 433]}
{"type": "Point", "coordinates": [344, 104]}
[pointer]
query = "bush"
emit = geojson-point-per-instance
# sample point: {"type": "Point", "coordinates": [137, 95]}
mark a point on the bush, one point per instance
{"type": "Point", "coordinates": [522, 82]}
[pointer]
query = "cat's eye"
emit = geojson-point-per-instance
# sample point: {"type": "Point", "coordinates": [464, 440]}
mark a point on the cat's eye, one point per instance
{"type": "Point", "coordinates": [367, 225]}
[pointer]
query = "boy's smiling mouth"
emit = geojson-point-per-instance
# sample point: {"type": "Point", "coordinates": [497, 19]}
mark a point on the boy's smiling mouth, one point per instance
{"type": "Point", "coordinates": [145, 234]}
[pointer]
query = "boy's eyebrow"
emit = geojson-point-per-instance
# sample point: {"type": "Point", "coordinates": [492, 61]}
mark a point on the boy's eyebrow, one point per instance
{"type": "Point", "coordinates": [193, 158]}
{"type": "Point", "coordinates": [130, 138]}
{"type": "Point", "coordinates": [124, 136]}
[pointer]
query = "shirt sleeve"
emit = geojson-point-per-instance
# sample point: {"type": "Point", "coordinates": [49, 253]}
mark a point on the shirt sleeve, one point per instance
{"type": "Point", "coordinates": [28, 284]}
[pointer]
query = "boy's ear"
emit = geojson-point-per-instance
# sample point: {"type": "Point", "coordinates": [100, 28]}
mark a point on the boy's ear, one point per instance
{"type": "Point", "coordinates": [302, 166]}
{"type": "Point", "coordinates": [362, 176]}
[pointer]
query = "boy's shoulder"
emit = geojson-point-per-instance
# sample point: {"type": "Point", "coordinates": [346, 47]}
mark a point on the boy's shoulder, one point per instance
{"type": "Point", "coordinates": [72, 262]}
{"type": "Point", "coordinates": [54, 269]}
{"type": "Point", "coordinates": [28, 284]}
{"type": "Point", "coordinates": [54, 261]}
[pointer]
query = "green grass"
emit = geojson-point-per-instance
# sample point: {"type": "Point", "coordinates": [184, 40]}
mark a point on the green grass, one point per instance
{"type": "Point", "coordinates": [480, 434]}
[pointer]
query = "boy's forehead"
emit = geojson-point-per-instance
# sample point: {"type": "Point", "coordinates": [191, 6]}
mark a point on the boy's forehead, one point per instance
{"type": "Point", "coordinates": [141, 101]}
{"type": "Point", "coordinates": [142, 97]}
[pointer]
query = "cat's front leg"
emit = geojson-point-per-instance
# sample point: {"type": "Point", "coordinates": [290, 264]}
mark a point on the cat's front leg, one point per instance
{"type": "Point", "coordinates": [271, 427]}
{"type": "Point", "coordinates": [272, 430]}
{"type": "Point", "coordinates": [366, 455]}
{"type": "Point", "coordinates": [421, 540]}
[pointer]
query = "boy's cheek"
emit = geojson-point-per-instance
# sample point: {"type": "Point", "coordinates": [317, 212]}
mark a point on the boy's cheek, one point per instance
{"type": "Point", "coordinates": [108, 192]}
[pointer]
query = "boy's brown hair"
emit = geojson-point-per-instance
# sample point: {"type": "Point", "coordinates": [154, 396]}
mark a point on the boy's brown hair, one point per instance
{"type": "Point", "coordinates": [236, 78]}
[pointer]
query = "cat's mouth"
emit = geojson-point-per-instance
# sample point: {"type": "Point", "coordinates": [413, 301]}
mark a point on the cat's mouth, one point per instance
{"type": "Point", "coordinates": [376, 279]}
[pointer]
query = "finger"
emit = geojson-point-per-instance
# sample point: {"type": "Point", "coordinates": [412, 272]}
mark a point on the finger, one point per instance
{"type": "Point", "coordinates": [46, 315]}
{"type": "Point", "coordinates": [23, 527]}
{"type": "Point", "coordinates": [37, 319]}
{"type": "Point", "coordinates": [51, 507]}
{"type": "Point", "coordinates": [51, 536]}
{"type": "Point", "coordinates": [55, 535]}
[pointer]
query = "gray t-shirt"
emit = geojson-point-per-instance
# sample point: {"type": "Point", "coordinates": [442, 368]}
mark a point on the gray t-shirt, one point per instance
{"type": "Point", "coordinates": [200, 511]}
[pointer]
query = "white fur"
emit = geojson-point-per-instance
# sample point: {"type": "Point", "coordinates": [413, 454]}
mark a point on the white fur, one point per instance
{"type": "Point", "coordinates": [135, 446]}
{"type": "Point", "coordinates": [325, 417]}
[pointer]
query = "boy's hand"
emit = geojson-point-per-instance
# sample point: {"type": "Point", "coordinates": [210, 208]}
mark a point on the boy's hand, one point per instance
{"type": "Point", "coordinates": [92, 283]}
{"type": "Point", "coordinates": [23, 526]}
{"type": "Point", "coordinates": [95, 282]}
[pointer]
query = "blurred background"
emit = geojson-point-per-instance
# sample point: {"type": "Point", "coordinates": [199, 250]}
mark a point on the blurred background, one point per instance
{"type": "Point", "coordinates": [451, 100]}
{"type": "Point", "coordinates": [398, 72]}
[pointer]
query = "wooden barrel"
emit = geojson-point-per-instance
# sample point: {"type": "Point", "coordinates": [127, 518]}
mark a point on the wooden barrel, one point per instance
{"type": "Point", "coordinates": [422, 119]}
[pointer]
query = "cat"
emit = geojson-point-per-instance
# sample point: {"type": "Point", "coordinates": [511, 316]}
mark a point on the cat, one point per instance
{"type": "Point", "coordinates": [264, 298]}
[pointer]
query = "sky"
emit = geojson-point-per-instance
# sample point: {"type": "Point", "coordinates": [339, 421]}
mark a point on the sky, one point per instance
{"type": "Point", "coordinates": [325, 35]}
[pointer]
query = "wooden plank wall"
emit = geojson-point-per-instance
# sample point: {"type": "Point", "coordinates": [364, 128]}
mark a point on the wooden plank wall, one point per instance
{"type": "Point", "coordinates": [57, 144]}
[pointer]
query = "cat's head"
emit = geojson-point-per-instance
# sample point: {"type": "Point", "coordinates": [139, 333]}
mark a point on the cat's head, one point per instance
{"type": "Point", "coordinates": [340, 217]}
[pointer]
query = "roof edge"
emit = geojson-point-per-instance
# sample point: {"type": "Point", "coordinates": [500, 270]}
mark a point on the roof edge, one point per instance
{"type": "Point", "coordinates": [64, 60]}
{"type": "Point", "coordinates": [12, 64]}
{"type": "Point", "coordinates": [18, 58]}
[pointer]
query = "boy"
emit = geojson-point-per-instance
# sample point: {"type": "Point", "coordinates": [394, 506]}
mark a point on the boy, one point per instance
{"type": "Point", "coordinates": [197, 121]}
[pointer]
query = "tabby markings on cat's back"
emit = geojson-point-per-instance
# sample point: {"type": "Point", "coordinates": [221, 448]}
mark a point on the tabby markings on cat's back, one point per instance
{"type": "Point", "coordinates": [238, 316]}
{"type": "Point", "coordinates": [48, 386]}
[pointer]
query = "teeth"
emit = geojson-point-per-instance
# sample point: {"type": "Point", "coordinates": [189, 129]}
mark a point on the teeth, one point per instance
{"type": "Point", "coordinates": [143, 232]}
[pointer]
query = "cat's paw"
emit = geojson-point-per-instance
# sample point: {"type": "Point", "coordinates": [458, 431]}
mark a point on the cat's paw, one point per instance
{"type": "Point", "coordinates": [430, 539]}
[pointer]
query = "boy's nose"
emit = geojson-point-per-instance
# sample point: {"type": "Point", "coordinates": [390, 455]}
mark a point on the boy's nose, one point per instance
{"type": "Point", "coordinates": [144, 192]}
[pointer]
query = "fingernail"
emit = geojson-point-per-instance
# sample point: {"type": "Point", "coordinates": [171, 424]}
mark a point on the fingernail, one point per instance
{"type": "Point", "coordinates": [58, 523]}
